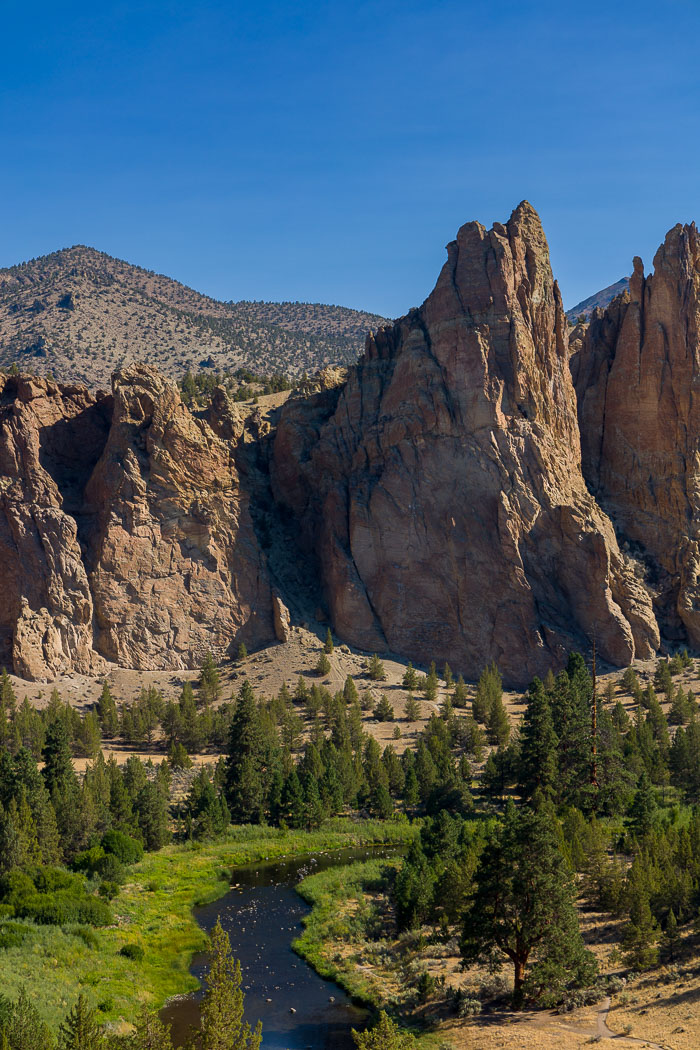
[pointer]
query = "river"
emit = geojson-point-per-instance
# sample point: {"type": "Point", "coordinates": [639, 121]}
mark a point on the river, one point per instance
{"type": "Point", "coordinates": [262, 915]}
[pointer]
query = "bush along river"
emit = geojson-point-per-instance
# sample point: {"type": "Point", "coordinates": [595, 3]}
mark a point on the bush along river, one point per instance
{"type": "Point", "coordinates": [262, 915]}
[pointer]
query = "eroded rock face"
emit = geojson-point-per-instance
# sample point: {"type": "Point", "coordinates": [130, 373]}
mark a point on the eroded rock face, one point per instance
{"type": "Point", "coordinates": [124, 531]}
{"type": "Point", "coordinates": [441, 489]}
{"type": "Point", "coordinates": [175, 566]}
{"type": "Point", "coordinates": [50, 438]}
{"type": "Point", "coordinates": [637, 378]}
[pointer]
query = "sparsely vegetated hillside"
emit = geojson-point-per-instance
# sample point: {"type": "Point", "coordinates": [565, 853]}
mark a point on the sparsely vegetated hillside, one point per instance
{"type": "Point", "coordinates": [79, 314]}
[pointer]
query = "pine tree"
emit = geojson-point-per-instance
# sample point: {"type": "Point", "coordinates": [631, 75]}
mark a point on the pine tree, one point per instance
{"type": "Point", "coordinates": [384, 712]}
{"type": "Point", "coordinates": [643, 808]}
{"type": "Point", "coordinates": [24, 1029]}
{"type": "Point", "coordinates": [150, 1033]}
{"type": "Point", "coordinates": [242, 653]}
{"type": "Point", "coordinates": [523, 907]}
{"type": "Point", "coordinates": [80, 1029]}
{"type": "Point", "coordinates": [292, 807]}
{"type": "Point", "coordinates": [245, 781]}
{"type": "Point", "coordinates": [328, 644]}
{"type": "Point", "coordinates": [641, 936]}
{"type": "Point", "coordinates": [679, 713]}
{"type": "Point", "coordinates": [671, 938]}
{"type": "Point", "coordinates": [376, 669]}
{"type": "Point", "coordinates": [221, 1013]}
{"type": "Point", "coordinates": [209, 680]}
{"type": "Point", "coordinates": [410, 678]}
{"type": "Point", "coordinates": [538, 746]}
{"type": "Point", "coordinates": [412, 710]}
{"type": "Point", "coordinates": [447, 676]}
{"type": "Point", "coordinates": [151, 809]}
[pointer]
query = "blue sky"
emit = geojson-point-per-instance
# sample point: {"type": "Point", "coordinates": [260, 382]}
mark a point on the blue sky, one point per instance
{"type": "Point", "coordinates": [328, 151]}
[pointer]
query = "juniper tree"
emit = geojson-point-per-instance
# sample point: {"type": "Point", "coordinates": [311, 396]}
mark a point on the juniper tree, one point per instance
{"type": "Point", "coordinates": [384, 1035]}
{"type": "Point", "coordinates": [523, 908]}
{"type": "Point", "coordinates": [209, 680]}
{"type": "Point", "coordinates": [460, 694]}
{"type": "Point", "coordinates": [107, 713]}
{"type": "Point", "coordinates": [376, 669]}
{"type": "Point", "coordinates": [430, 683]}
{"type": "Point", "coordinates": [328, 644]}
{"type": "Point", "coordinates": [384, 712]}
{"type": "Point", "coordinates": [323, 667]}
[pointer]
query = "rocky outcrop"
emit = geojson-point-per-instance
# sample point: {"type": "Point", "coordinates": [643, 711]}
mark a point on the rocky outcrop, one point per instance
{"type": "Point", "coordinates": [175, 565]}
{"type": "Point", "coordinates": [125, 533]}
{"type": "Point", "coordinates": [50, 438]}
{"type": "Point", "coordinates": [441, 489]}
{"type": "Point", "coordinates": [637, 378]}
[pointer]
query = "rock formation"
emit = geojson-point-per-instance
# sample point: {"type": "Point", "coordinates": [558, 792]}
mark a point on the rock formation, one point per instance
{"type": "Point", "coordinates": [452, 497]}
{"type": "Point", "coordinates": [124, 531]}
{"type": "Point", "coordinates": [176, 569]}
{"type": "Point", "coordinates": [441, 489]}
{"type": "Point", "coordinates": [637, 377]}
{"type": "Point", "coordinates": [50, 438]}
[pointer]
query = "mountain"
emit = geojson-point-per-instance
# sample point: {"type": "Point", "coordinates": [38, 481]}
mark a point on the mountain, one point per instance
{"type": "Point", "coordinates": [599, 300]}
{"type": "Point", "coordinates": [79, 315]}
{"type": "Point", "coordinates": [470, 490]}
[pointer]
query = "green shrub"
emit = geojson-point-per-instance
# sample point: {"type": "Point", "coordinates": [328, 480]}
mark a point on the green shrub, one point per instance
{"type": "Point", "coordinates": [108, 890]}
{"type": "Point", "coordinates": [111, 869]}
{"type": "Point", "coordinates": [86, 934]}
{"type": "Point", "coordinates": [122, 846]}
{"type": "Point", "coordinates": [12, 934]}
{"type": "Point", "coordinates": [132, 951]}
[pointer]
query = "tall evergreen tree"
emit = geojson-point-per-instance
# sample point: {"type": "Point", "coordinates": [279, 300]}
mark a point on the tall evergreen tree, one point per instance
{"type": "Point", "coordinates": [246, 788]}
{"type": "Point", "coordinates": [222, 1026]}
{"type": "Point", "coordinates": [523, 906]}
{"type": "Point", "coordinates": [538, 746]}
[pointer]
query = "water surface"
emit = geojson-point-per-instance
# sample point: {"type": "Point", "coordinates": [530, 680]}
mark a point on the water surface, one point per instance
{"type": "Point", "coordinates": [262, 915]}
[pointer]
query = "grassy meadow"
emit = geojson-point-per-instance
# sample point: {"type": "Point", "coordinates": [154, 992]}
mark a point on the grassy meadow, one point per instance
{"type": "Point", "coordinates": [154, 910]}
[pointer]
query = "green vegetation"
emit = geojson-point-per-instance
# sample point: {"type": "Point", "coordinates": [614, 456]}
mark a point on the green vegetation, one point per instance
{"type": "Point", "coordinates": [222, 1025]}
{"type": "Point", "coordinates": [154, 910]}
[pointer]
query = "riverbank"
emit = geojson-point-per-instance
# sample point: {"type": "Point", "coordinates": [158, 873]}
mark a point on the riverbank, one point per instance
{"type": "Point", "coordinates": [345, 940]}
{"type": "Point", "coordinates": [154, 911]}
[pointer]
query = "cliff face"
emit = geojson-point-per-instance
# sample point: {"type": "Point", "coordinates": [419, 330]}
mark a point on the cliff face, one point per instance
{"type": "Point", "coordinates": [637, 378]}
{"type": "Point", "coordinates": [50, 437]}
{"type": "Point", "coordinates": [124, 531]}
{"type": "Point", "coordinates": [443, 493]}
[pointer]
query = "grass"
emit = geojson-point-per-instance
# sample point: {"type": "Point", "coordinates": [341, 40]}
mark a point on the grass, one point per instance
{"type": "Point", "coordinates": [154, 911]}
{"type": "Point", "coordinates": [342, 917]}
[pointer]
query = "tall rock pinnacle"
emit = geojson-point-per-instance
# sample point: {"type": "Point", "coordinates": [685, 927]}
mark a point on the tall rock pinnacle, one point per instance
{"type": "Point", "coordinates": [443, 495]}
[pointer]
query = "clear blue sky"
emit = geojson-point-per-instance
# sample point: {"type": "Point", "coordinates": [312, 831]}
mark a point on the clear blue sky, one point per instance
{"type": "Point", "coordinates": [328, 151]}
